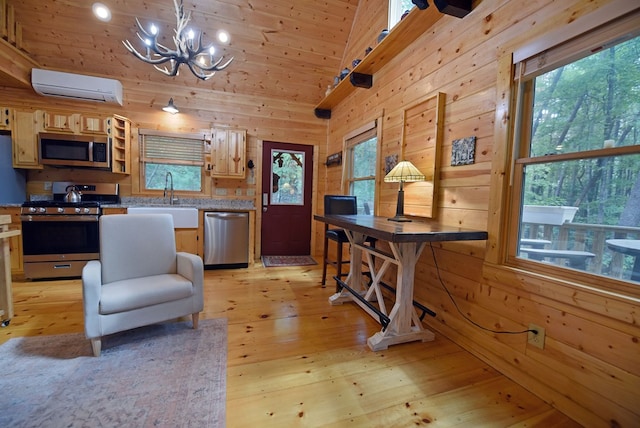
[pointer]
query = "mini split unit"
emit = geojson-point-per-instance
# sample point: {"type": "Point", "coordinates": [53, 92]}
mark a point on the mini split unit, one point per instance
{"type": "Point", "coordinates": [76, 86]}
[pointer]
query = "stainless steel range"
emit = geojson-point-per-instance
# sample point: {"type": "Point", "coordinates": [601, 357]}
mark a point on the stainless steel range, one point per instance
{"type": "Point", "coordinates": [58, 237]}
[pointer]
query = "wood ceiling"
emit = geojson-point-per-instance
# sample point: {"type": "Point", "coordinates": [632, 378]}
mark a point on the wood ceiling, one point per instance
{"type": "Point", "coordinates": [283, 49]}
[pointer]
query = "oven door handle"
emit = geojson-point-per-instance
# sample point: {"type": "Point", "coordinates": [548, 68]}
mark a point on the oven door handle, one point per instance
{"type": "Point", "coordinates": [70, 218]}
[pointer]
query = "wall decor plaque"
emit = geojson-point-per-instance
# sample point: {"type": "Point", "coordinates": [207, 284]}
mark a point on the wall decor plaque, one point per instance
{"type": "Point", "coordinates": [463, 151]}
{"type": "Point", "coordinates": [334, 159]}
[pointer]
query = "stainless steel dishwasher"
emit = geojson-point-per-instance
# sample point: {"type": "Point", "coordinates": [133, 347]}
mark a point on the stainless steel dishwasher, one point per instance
{"type": "Point", "coordinates": [226, 240]}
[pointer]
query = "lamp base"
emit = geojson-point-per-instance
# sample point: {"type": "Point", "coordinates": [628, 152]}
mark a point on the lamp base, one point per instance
{"type": "Point", "coordinates": [400, 218]}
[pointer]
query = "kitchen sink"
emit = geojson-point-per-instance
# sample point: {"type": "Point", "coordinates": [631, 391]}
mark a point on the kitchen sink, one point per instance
{"type": "Point", "coordinates": [183, 217]}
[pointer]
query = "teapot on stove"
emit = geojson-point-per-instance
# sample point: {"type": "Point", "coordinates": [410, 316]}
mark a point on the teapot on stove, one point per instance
{"type": "Point", "coordinates": [74, 195]}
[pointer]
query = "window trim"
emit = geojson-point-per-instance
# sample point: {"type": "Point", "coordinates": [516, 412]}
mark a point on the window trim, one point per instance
{"type": "Point", "coordinates": [506, 177]}
{"type": "Point", "coordinates": [166, 134]}
{"type": "Point", "coordinates": [349, 141]}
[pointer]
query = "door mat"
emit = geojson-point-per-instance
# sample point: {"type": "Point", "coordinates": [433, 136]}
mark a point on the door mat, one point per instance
{"type": "Point", "coordinates": [273, 261]}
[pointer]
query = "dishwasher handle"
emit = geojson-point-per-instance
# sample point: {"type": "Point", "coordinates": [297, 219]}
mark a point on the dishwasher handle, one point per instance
{"type": "Point", "coordinates": [226, 215]}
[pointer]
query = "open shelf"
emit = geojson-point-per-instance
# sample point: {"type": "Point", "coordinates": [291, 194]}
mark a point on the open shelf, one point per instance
{"type": "Point", "coordinates": [402, 35]}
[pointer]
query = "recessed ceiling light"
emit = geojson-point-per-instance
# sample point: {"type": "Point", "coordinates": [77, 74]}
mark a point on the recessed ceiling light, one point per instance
{"type": "Point", "coordinates": [101, 12]}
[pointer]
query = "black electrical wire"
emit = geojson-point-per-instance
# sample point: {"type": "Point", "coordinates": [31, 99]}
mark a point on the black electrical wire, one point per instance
{"type": "Point", "coordinates": [435, 261]}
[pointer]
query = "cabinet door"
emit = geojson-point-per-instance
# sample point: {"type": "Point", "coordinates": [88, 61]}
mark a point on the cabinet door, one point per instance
{"type": "Point", "coordinates": [24, 137]}
{"type": "Point", "coordinates": [219, 153]}
{"type": "Point", "coordinates": [187, 240]}
{"type": "Point", "coordinates": [59, 121]}
{"type": "Point", "coordinates": [92, 124]}
{"type": "Point", "coordinates": [228, 148]}
{"type": "Point", "coordinates": [236, 160]}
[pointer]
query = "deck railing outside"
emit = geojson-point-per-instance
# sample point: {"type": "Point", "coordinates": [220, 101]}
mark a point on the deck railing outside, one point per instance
{"type": "Point", "coordinates": [590, 238]}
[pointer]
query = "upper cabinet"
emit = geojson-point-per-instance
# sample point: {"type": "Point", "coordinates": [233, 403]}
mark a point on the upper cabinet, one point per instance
{"type": "Point", "coordinates": [228, 153]}
{"type": "Point", "coordinates": [24, 138]}
{"type": "Point", "coordinates": [119, 130]}
{"type": "Point", "coordinates": [92, 124]}
{"type": "Point", "coordinates": [53, 121]}
{"type": "Point", "coordinates": [400, 36]}
{"type": "Point", "coordinates": [26, 125]}
{"type": "Point", "coordinates": [5, 118]}
{"type": "Point", "coordinates": [72, 123]}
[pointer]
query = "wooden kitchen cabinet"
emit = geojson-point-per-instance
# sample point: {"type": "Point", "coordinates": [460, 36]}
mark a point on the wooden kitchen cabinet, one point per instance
{"type": "Point", "coordinates": [72, 123]}
{"type": "Point", "coordinates": [15, 242]}
{"type": "Point", "coordinates": [92, 124]}
{"type": "Point", "coordinates": [24, 138]}
{"type": "Point", "coordinates": [187, 240]}
{"type": "Point", "coordinates": [5, 118]}
{"type": "Point", "coordinates": [56, 121]}
{"type": "Point", "coordinates": [228, 153]}
{"type": "Point", "coordinates": [108, 211]}
{"type": "Point", "coordinates": [119, 131]}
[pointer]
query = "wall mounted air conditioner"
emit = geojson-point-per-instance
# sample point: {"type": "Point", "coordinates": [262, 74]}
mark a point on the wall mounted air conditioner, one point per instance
{"type": "Point", "coordinates": [76, 86]}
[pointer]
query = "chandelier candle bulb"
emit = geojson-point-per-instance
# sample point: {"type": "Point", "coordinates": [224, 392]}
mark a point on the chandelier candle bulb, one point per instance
{"type": "Point", "coordinates": [187, 51]}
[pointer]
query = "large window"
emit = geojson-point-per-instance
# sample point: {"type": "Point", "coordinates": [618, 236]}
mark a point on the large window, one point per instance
{"type": "Point", "coordinates": [182, 155]}
{"type": "Point", "coordinates": [362, 159]}
{"type": "Point", "coordinates": [396, 9]}
{"type": "Point", "coordinates": [577, 166]}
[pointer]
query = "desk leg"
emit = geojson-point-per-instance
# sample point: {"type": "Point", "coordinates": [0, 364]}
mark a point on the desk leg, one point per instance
{"type": "Point", "coordinates": [354, 279]}
{"type": "Point", "coordinates": [404, 325]}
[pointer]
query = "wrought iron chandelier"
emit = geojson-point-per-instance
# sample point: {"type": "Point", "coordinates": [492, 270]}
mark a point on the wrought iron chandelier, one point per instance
{"type": "Point", "coordinates": [189, 49]}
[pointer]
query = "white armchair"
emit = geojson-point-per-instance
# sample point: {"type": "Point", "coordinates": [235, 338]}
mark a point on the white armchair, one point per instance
{"type": "Point", "coordinates": [140, 278]}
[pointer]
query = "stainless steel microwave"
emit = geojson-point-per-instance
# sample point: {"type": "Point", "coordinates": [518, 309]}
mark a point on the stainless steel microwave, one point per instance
{"type": "Point", "coordinates": [88, 151]}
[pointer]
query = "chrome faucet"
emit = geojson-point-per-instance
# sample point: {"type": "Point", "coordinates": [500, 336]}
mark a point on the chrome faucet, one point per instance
{"type": "Point", "coordinates": [166, 179]}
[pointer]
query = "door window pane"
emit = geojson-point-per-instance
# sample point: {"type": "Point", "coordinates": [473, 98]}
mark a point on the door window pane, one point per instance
{"type": "Point", "coordinates": [287, 174]}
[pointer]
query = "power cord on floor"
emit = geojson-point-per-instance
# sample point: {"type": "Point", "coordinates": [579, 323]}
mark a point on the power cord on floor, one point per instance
{"type": "Point", "coordinates": [435, 261]}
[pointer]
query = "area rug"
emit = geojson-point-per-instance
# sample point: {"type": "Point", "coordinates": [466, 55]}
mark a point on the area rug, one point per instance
{"type": "Point", "coordinates": [272, 261]}
{"type": "Point", "coordinates": [166, 375]}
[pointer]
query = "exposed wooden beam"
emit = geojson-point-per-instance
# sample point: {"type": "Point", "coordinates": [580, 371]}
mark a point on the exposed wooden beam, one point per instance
{"type": "Point", "coordinates": [15, 66]}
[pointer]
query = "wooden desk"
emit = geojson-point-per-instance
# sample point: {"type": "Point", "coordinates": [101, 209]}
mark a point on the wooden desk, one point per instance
{"type": "Point", "coordinates": [629, 247]}
{"type": "Point", "coordinates": [407, 240]}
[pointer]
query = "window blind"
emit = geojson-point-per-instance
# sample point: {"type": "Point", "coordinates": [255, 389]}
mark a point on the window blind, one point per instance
{"type": "Point", "coordinates": [172, 149]}
{"type": "Point", "coordinates": [363, 134]}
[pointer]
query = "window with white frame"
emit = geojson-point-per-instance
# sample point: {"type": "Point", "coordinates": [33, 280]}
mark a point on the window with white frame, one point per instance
{"type": "Point", "coordinates": [576, 191]}
{"type": "Point", "coordinates": [361, 152]}
{"type": "Point", "coordinates": [396, 9]}
{"type": "Point", "coordinates": [182, 155]}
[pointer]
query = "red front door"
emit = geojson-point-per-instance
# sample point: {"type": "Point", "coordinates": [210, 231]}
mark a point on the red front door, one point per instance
{"type": "Point", "coordinates": [287, 177]}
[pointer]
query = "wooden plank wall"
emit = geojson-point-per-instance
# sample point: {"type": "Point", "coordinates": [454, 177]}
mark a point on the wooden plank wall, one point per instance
{"type": "Point", "coordinates": [590, 367]}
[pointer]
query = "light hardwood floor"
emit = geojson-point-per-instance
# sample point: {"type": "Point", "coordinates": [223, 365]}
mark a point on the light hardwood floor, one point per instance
{"type": "Point", "coordinates": [296, 361]}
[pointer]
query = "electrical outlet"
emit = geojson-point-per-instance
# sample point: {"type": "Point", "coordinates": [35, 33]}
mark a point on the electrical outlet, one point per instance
{"type": "Point", "coordinates": [534, 339]}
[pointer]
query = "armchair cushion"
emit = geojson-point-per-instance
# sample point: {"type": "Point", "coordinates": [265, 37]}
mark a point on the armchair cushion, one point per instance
{"type": "Point", "coordinates": [128, 294]}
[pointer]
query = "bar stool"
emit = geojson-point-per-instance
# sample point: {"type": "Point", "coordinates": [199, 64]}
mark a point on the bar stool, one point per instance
{"type": "Point", "coordinates": [339, 204]}
{"type": "Point", "coordinates": [336, 204]}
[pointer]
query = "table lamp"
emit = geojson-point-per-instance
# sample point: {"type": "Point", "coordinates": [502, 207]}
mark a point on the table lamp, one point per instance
{"type": "Point", "coordinates": [403, 171]}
